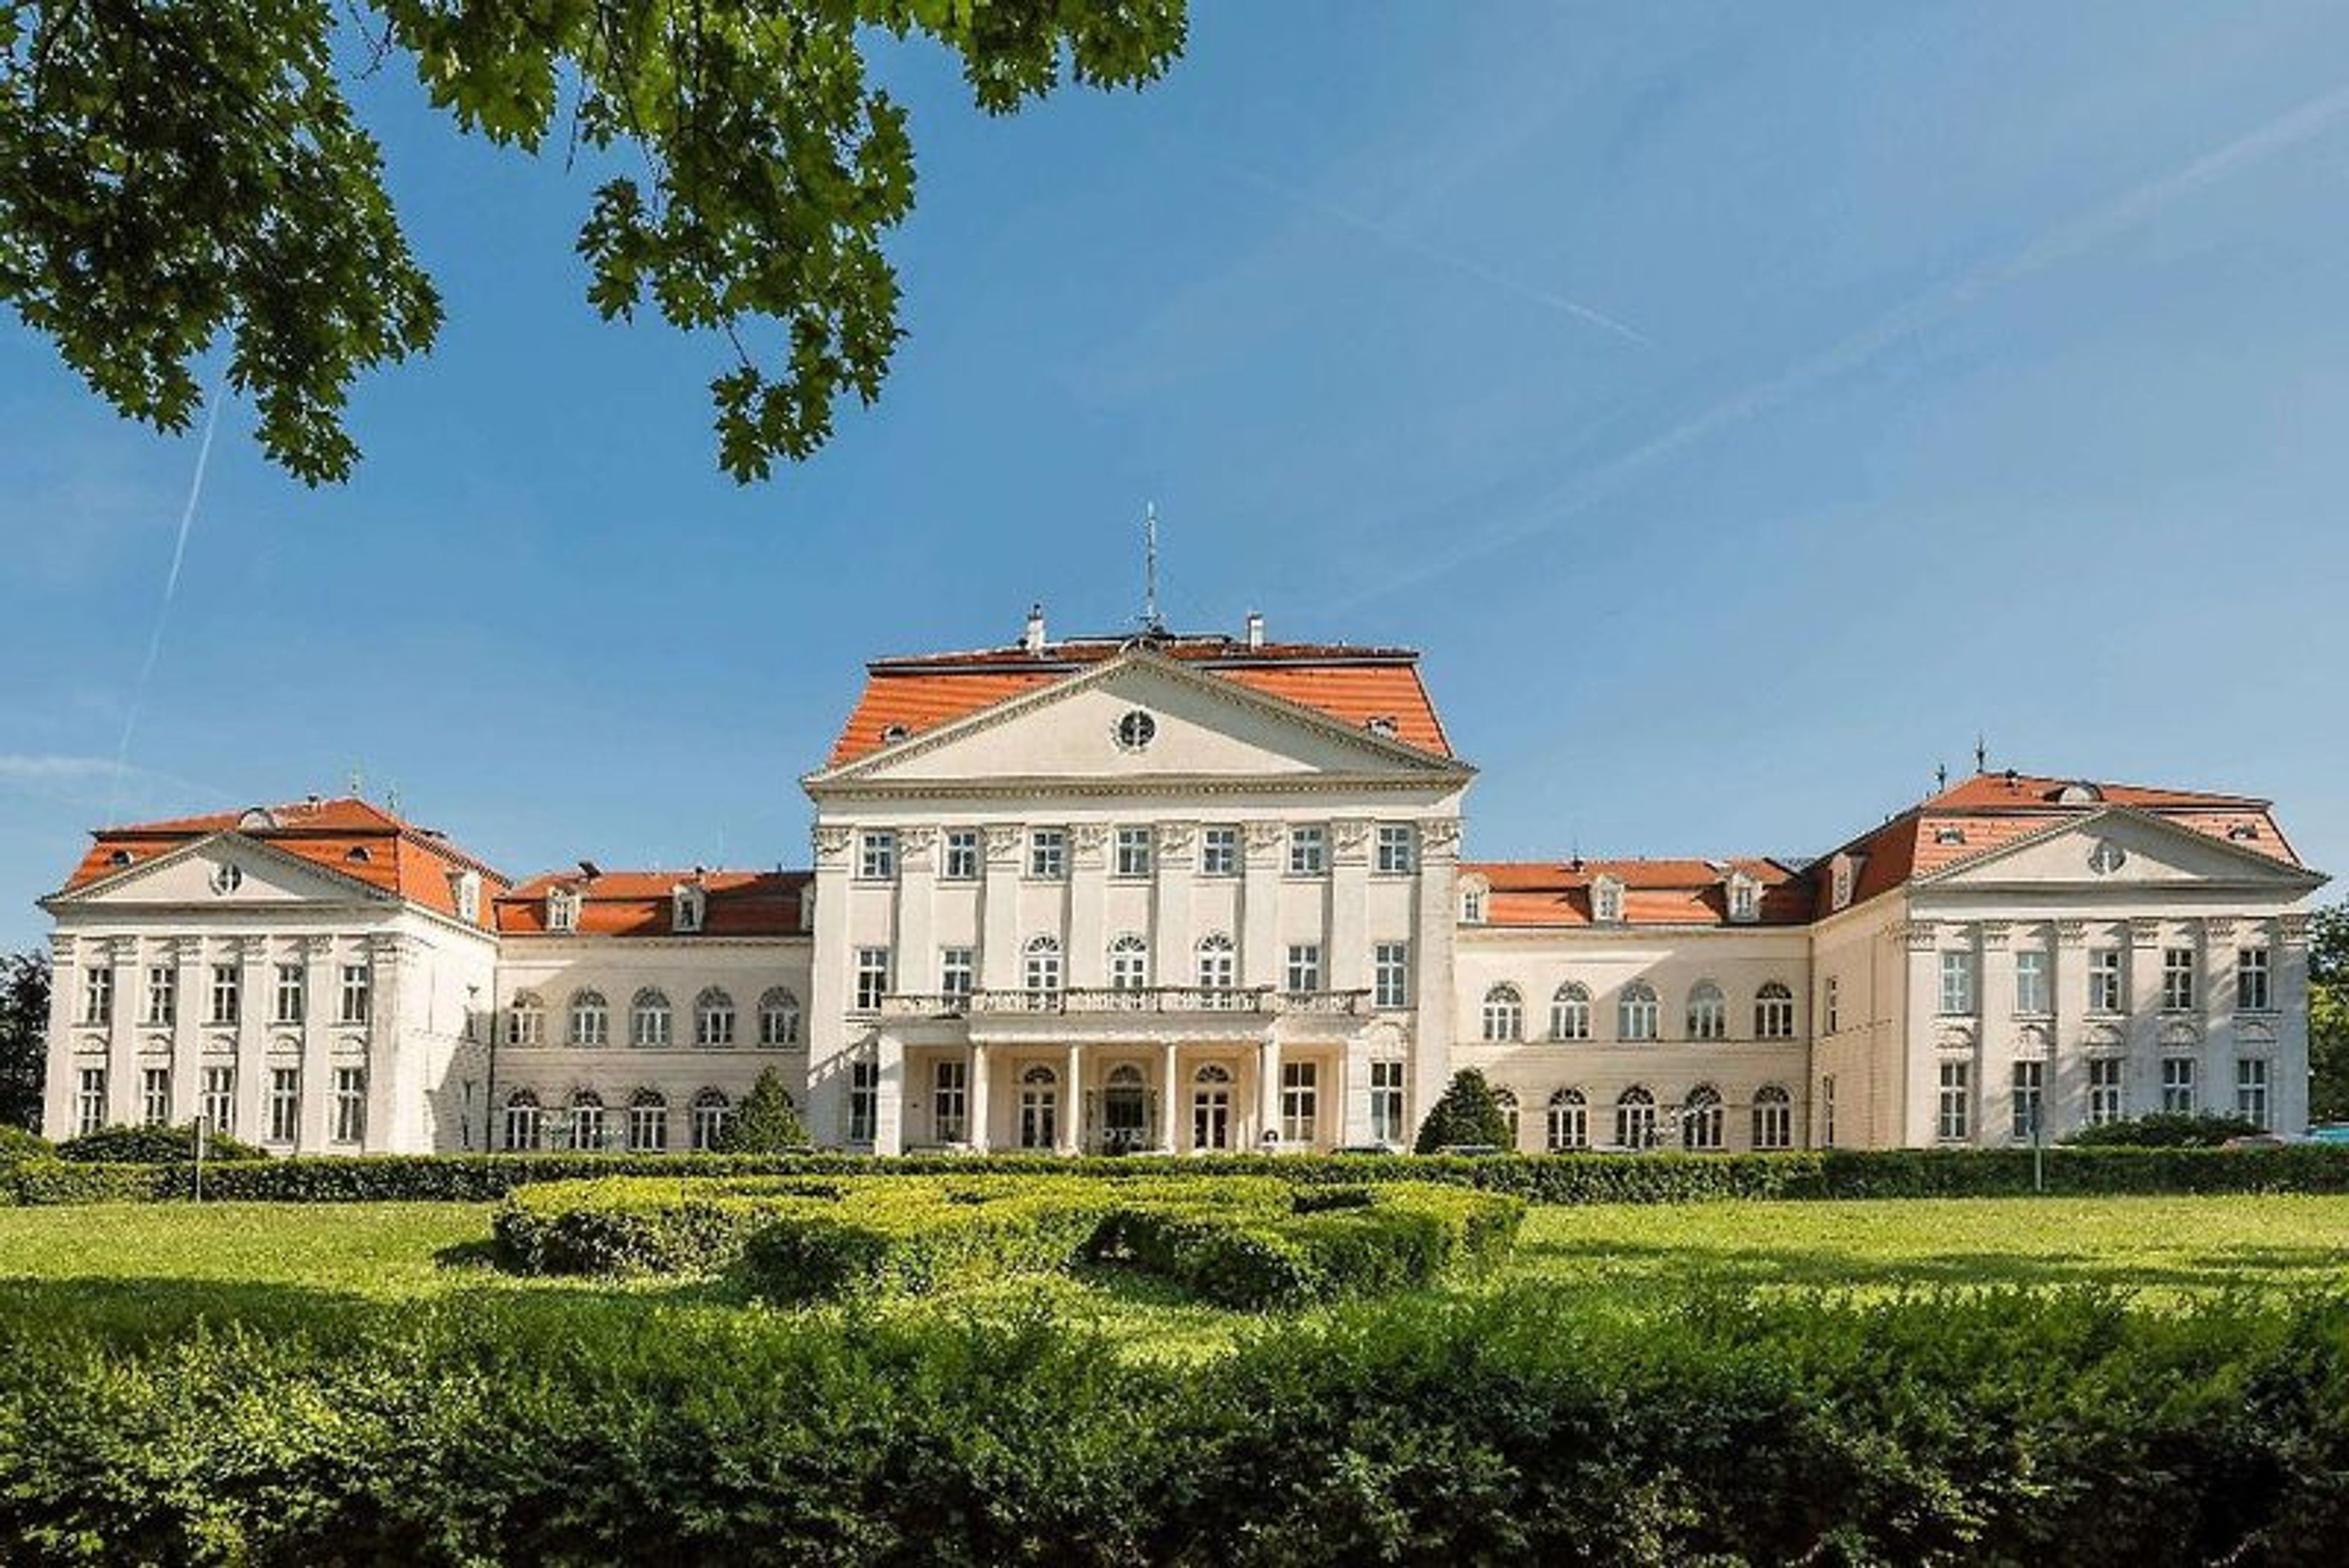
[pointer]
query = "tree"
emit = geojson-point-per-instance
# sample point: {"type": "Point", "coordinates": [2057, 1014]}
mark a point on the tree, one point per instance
{"type": "Point", "coordinates": [1467, 1113]}
{"type": "Point", "coordinates": [171, 170]}
{"type": "Point", "coordinates": [2328, 1014]}
{"type": "Point", "coordinates": [764, 1122]}
{"type": "Point", "coordinates": [23, 1034]}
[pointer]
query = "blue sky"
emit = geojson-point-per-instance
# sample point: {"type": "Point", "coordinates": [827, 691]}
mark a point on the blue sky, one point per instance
{"type": "Point", "coordinates": [1741, 405]}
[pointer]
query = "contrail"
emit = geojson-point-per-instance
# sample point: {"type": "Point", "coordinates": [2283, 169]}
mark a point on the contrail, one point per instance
{"type": "Point", "coordinates": [170, 591]}
{"type": "Point", "coordinates": [2060, 244]}
{"type": "Point", "coordinates": [1475, 269]}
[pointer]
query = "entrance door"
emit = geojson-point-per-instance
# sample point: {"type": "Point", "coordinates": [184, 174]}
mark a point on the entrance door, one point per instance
{"type": "Point", "coordinates": [1039, 1108]}
{"type": "Point", "coordinates": [1211, 1108]}
{"type": "Point", "coordinates": [1126, 1110]}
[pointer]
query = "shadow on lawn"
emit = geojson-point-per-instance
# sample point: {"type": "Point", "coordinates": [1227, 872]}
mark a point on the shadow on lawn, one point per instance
{"type": "Point", "coordinates": [1617, 1262]}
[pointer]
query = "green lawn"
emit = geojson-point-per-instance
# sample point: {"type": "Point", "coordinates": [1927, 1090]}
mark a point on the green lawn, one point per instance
{"type": "Point", "coordinates": [157, 1267]}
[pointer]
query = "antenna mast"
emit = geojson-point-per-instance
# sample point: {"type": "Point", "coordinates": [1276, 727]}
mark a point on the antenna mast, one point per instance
{"type": "Point", "coordinates": [1150, 621]}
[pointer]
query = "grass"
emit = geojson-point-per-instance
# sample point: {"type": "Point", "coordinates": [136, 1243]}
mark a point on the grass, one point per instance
{"type": "Point", "coordinates": [153, 1270]}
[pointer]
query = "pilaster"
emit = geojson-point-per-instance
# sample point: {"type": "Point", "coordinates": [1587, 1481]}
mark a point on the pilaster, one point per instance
{"type": "Point", "coordinates": [1349, 905]}
{"type": "Point", "coordinates": [1085, 961]}
{"type": "Point", "coordinates": [1435, 927]}
{"type": "Point", "coordinates": [1176, 861]}
{"type": "Point", "coordinates": [999, 915]}
{"type": "Point", "coordinates": [1260, 934]}
{"type": "Point", "coordinates": [828, 988]}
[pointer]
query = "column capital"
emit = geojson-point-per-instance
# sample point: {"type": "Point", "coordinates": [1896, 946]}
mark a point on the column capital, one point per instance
{"type": "Point", "coordinates": [2144, 932]}
{"type": "Point", "coordinates": [1440, 836]}
{"type": "Point", "coordinates": [1003, 840]}
{"type": "Point", "coordinates": [1087, 841]}
{"type": "Point", "coordinates": [2291, 930]}
{"type": "Point", "coordinates": [2071, 933]}
{"type": "Point", "coordinates": [1264, 838]}
{"type": "Point", "coordinates": [1349, 840]}
{"type": "Point", "coordinates": [2218, 930]}
{"type": "Point", "coordinates": [831, 841]}
{"type": "Point", "coordinates": [915, 844]}
{"type": "Point", "coordinates": [1919, 936]}
{"type": "Point", "coordinates": [1994, 935]}
{"type": "Point", "coordinates": [1176, 840]}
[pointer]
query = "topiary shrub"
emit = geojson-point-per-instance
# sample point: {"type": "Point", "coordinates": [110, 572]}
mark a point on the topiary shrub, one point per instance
{"type": "Point", "coordinates": [1468, 1115]}
{"type": "Point", "coordinates": [2164, 1129]}
{"type": "Point", "coordinates": [764, 1122]}
{"type": "Point", "coordinates": [153, 1146]}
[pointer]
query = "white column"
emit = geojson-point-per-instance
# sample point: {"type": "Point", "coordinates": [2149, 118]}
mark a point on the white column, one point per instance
{"type": "Point", "coordinates": [1994, 1020]}
{"type": "Point", "coordinates": [395, 1076]}
{"type": "Point", "coordinates": [1920, 1054]}
{"type": "Point", "coordinates": [1072, 1104]}
{"type": "Point", "coordinates": [1355, 1105]}
{"type": "Point", "coordinates": [2288, 1073]}
{"type": "Point", "coordinates": [829, 992]}
{"type": "Point", "coordinates": [1268, 1090]}
{"type": "Point", "coordinates": [2067, 980]}
{"type": "Point", "coordinates": [1170, 1100]}
{"type": "Point", "coordinates": [122, 1061]}
{"type": "Point", "coordinates": [2144, 983]}
{"type": "Point", "coordinates": [889, 1095]}
{"type": "Point", "coordinates": [1171, 933]}
{"type": "Point", "coordinates": [982, 1135]}
{"type": "Point", "coordinates": [186, 957]}
{"type": "Point", "coordinates": [321, 988]}
{"type": "Point", "coordinates": [251, 1040]}
{"type": "Point", "coordinates": [69, 963]}
{"type": "Point", "coordinates": [2216, 995]}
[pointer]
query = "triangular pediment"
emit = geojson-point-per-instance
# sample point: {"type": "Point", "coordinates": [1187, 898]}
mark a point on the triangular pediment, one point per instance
{"type": "Point", "coordinates": [2122, 848]}
{"type": "Point", "coordinates": [227, 871]}
{"type": "Point", "coordinates": [1191, 725]}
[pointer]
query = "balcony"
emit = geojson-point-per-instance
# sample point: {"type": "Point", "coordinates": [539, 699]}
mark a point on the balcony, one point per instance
{"type": "Point", "coordinates": [1262, 1000]}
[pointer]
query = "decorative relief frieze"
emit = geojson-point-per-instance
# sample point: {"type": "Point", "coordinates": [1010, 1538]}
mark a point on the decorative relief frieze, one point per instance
{"type": "Point", "coordinates": [2072, 933]}
{"type": "Point", "coordinates": [2217, 931]}
{"type": "Point", "coordinates": [1265, 838]}
{"type": "Point", "coordinates": [1919, 936]}
{"type": "Point", "coordinates": [1350, 836]}
{"type": "Point", "coordinates": [2291, 930]}
{"type": "Point", "coordinates": [1440, 835]}
{"type": "Point", "coordinates": [832, 841]}
{"type": "Point", "coordinates": [1003, 841]}
{"type": "Point", "coordinates": [1994, 935]}
{"type": "Point", "coordinates": [318, 946]}
{"type": "Point", "coordinates": [2144, 933]}
{"type": "Point", "coordinates": [917, 847]}
{"type": "Point", "coordinates": [1175, 841]}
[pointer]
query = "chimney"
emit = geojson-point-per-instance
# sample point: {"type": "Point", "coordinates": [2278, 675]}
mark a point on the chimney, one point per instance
{"type": "Point", "coordinates": [1256, 628]}
{"type": "Point", "coordinates": [1033, 638]}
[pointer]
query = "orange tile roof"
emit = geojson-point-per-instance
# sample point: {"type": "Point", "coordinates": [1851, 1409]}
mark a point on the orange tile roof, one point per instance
{"type": "Point", "coordinates": [346, 834]}
{"type": "Point", "coordinates": [1673, 892]}
{"type": "Point", "coordinates": [1351, 685]}
{"type": "Point", "coordinates": [638, 903]}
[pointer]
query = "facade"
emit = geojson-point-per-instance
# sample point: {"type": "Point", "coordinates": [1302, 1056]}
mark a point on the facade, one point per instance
{"type": "Point", "coordinates": [1187, 894]}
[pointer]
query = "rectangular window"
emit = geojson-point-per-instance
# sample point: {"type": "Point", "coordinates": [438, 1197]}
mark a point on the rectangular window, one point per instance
{"type": "Point", "coordinates": [647, 1127]}
{"type": "Point", "coordinates": [97, 996]}
{"type": "Point", "coordinates": [2031, 981]}
{"type": "Point", "coordinates": [1955, 1122]}
{"type": "Point", "coordinates": [285, 1103]}
{"type": "Point", "coordinates": [292, 998]}
{"type": "Point", "coordinates": [1957, 983]}
{"type": "Point", "coordinates": [224, 993]}
{"type": "Point", "coordinates": [2252, 994]}
{"type": "Point", "coordinates": [2252, 1090]}
{"type": "Point", "coordinates": [1396, 845]}
{"type": "Point", "coordinates": [350, 1105]}
{"type": "Point", "coordinates": [1386, 1102]}
{"type": "Point", "coordinates": [871, 978]}
{"type": "Point", "coordinates": [1308, 851]}
{"type": "Point", "coordinates": [1048, 853]}
{"type": "Point", "coordinates": [2178, 979]}
{"type": "Point", "coordinates": [1299, 1104]}
{"type": "Point", "coordinates": [1390, 974]}
{"type": "Point", "coordinates": [1219, 852]}
{"type": "Point", "coordinates": [962, 855]}
{"type": "Point", "coordinates": [950, 1102]}
{"type": "Point", "coordinates": [1829, 1005]}
{"type": "Point", "coordinates": [1134, 851]}
{"type": "Point", "coordinates": [957, 970]}
{"type": "Point", "coordinates": [2030, 1081]}
{"type": "Point", "coordinates": [155, 1095]}
{"type": "Point", "coordinates": [1826, 1111]}
{"type": "Point", "coordinates": [1304, 966]}
{"type": "Point", "coordinates": [2178, 1095]}
{"type": "Point", "coordinates": [219, 1105]}
{"type": "Point", "coordinates": [2104, 1090]}
{"type": "Point", "coordinates": [358, 981]}
{"type": "Point", "coordinates": [877, 854]}
{"type": "Point", "coordinates": [864, 1100]}
{"type": "Point", "coordinates": [90, 1099]}
{"type": "Point", "coordinates": [2104, 979]}
{"type": "Point", "coordinates": [162, 995]}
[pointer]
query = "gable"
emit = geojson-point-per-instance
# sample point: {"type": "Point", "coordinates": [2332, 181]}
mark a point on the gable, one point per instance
{"type": "Point", "coordinates": [2153, 853]}
{"type": "Point", "coordinates": [226, 871]}
{"type": "Point", "coordinates": [1200, 727]}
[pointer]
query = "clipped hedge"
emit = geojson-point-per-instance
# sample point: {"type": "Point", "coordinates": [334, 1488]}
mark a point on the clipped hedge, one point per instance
{"type": "Point", "coordinates": [1536, 1178]}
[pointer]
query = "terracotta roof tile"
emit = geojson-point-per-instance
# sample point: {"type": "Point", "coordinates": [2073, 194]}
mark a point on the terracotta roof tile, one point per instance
{"type": "Point", "coordinates": [1672, 892]}
{"type": "Point", "coordinates": [638, 903]}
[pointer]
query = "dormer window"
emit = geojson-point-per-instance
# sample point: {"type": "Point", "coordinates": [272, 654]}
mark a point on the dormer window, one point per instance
{"type": "Point", "coordinates": [358, 855]}
{"type": "Point", "coordinates": [1606, 901]}
{"type": "Point", "coordinates": [1745, 898]}
{"type": "Point", "coordinates": [563, 909]}
{"type": "Point", "coordinates": [465, 892]}
{"type": "Point", "coordinates": [1381, 725]}
{"type": "Point", "coordinates": [118, 858]}
{"type": "Point", "coordinates": [893, 734]}
{"type": "Point", "coordinates": [2244, 833]}
{"type": "Point", "coordinates": [1949, 832]}
{"type": "Point", "coordinates": [256, 819]}
{"type": "Point", "coordinates": [2078, 794]}
{"type": "Point", "coordinates": [1841, 874]}
{"type": "Point", "coordinates": [1471, 900]}
{"type": "Point", "coordinates": [687, 902]}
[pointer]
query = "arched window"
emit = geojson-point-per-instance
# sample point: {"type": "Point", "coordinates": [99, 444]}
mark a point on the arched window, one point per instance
{"type": "Point", "coordinates": [1040, 1107]}
{"type": "Point", "coordinates": [1700, 1119]}
{"type": "Point", "coordinates": [1507, 1100]}
{"type": "Point", "coordinates": [1774, 1013]}
{"type": "Point", "coordinates": [711, 1114]}
{"type": "Point", "coordinates": [591, 1021]}
{"type": "Point", "coordinates": [779, 1019]}
{"type": "Point", "coordinates": [1569, 1012]}
{"type": "Point", "coordinates": [526, 1020]}
{"type": "Point", "coordinates": [1043, 969]}
{"type": "Point", "coordinates": [1219, 962]}
{"type": "Point", "coordinates": [1636, 1012]}
{"type": "Point", "coordinates": [1708, 1011]}
{"type": "Point", "coordinates": [523, 1120]}
{"type": "Point", "coordinates": [647, 1122]}
{"type": "Point", "coordinates": [648, 1019]}
{"type": "Point", "coordinates": [1129, 963]}
{"type": "Point", "coordinates": [1212, 1073]}
{"type": "Point", "coordinates": [713, 1020]}
{"type": "Point", "coordinates": [1504, 1013]}
{"type": "Point", "coordinates": [1774, 1118]}
{"type": "Point", "coordinates": [1635, 1118]}
{"type": "Point", "coordinates": [1570, 1120]}
{"type": "Point", "coordinates": [586, 1129]}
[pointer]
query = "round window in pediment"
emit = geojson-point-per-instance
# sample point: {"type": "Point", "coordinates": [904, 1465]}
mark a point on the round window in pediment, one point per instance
{"type": "Point", "coordinates": [227, 879]}
{"type": "Point", "coordinates": [1136, 729]}
{"type": "Point", "coordinates": [2106, 858]}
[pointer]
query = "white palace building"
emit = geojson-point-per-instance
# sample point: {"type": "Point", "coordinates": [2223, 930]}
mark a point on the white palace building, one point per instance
{"type": "Point", "coordinates": [1186, 893]}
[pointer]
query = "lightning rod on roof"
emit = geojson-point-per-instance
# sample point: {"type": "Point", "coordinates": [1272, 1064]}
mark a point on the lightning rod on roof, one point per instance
{"type": "Point", "coordinates": [1981, 753]}
{"type": "Point", "coordinates": [1150, 621]}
